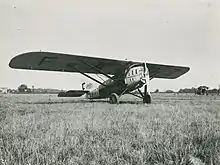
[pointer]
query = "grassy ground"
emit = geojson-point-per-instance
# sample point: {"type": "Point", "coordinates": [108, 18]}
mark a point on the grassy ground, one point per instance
{"type": "Point", "coordinates": [174, 129]}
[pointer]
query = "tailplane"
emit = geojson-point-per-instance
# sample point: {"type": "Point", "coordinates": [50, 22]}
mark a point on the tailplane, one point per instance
{"type": "Point", "coordinates": [72, 93]}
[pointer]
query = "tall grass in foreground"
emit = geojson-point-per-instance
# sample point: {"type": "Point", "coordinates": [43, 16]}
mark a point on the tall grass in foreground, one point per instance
{"type": "Point", "coordinates": [100, 133]}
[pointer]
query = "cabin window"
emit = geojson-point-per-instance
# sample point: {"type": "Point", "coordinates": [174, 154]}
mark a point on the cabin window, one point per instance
{"type": "Point", "coordinates": [132, 72]}
{"type": "Point", "coordinates": [136, 71]}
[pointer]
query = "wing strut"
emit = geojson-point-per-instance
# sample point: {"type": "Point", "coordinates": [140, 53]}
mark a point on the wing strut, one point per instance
{"type": "Point", "coordinates": [86, 75]}
{"type": "Point", "coordinates": [93, 67]}
{"type": "Point", "coordinates": [140, 93]}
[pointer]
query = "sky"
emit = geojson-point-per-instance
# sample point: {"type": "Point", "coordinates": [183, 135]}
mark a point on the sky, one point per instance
{"type": "Point", "coordinates": [177, 32]}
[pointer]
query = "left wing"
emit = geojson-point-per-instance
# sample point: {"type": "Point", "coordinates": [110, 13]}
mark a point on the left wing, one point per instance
{"type": "Point", "coordinates": [48, 61]}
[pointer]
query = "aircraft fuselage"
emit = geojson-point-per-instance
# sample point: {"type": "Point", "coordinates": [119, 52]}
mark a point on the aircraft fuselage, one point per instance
{"type": "Point", "coordinates": [133, 78]}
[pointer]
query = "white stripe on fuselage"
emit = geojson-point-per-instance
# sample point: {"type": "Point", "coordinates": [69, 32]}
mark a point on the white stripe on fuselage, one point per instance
{"type": "Point", "coordinates": [135, 75]}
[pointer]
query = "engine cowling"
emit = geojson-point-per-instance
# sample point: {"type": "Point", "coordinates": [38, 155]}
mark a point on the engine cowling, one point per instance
{"type": "Point", "coordinates": [137, 75]}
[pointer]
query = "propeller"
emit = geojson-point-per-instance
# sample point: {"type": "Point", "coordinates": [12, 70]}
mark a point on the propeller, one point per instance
{"type": "Point", "coordinates": [147, 97]}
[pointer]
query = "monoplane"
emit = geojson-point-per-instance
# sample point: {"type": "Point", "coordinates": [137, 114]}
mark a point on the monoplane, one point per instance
{"type": "Point", "coordinates": [123, 77]}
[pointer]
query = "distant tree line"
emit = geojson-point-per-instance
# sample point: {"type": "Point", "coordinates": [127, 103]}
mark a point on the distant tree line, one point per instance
{"type": "Point", "coordinates": [193, 90]}
{"type": "Point", "coordinates": [189, 90]}
{"type": "Point", "coordinates": [24, 89]}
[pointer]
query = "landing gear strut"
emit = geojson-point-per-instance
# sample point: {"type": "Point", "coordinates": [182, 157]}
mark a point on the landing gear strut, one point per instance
{"type": "Point", "coordinates": [147, 96]}
{"type": "Point", "coordinates": [113, 98]}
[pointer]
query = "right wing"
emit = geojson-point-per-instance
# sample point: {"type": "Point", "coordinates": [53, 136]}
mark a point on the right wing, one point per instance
{"type": "Point", "coordinates": [166, 71]}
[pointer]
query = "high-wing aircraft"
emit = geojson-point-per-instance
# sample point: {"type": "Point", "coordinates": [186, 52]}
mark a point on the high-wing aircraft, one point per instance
{"type": "Point", "coordinates": [123, 76]}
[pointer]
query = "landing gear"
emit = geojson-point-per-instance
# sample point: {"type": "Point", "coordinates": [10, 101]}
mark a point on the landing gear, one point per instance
{"type": "Point", "coordinates": [147, 96]}
{"type": "Point", "coordinates": [147, 99]}
{"type": "Point", "coordinates": [113, 98]}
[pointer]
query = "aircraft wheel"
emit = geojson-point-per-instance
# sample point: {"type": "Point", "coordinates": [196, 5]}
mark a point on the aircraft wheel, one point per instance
{"type": "Point", "coordinates": [113, 99]}
{"type": "Point", "coordinates": [147, 99]}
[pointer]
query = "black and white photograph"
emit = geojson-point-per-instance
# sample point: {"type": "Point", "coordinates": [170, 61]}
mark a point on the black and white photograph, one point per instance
{"type": "Point", "coordinates": [118, 82]}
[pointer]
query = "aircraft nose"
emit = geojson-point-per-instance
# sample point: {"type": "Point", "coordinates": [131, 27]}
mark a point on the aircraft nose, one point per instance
{"type": "Point", "coordinates": [143, 80]}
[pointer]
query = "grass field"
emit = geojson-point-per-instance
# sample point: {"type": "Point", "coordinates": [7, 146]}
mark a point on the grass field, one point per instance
{"type": "Point", "coordinates": [173, 130]}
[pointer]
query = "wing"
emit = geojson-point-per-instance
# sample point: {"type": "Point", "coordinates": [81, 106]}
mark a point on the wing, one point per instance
{"type": "Point", "coordinates": [48, 61]}
{"type": "Point", "coordinates": [166, 71]}
{"type": "Point", "coordinates": [66, 63]}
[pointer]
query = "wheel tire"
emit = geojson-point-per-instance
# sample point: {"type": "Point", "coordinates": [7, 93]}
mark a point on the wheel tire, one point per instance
{"type": "Point", "coordinates": [113, 98]}
{"type": "Point", "coordinates": [147, 99]}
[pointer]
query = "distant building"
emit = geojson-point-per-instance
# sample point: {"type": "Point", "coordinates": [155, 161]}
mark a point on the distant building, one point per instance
{"type": "Point", "coordinates": [3, 90]}
{"type": "Point", "coordinates": [12, 91]}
